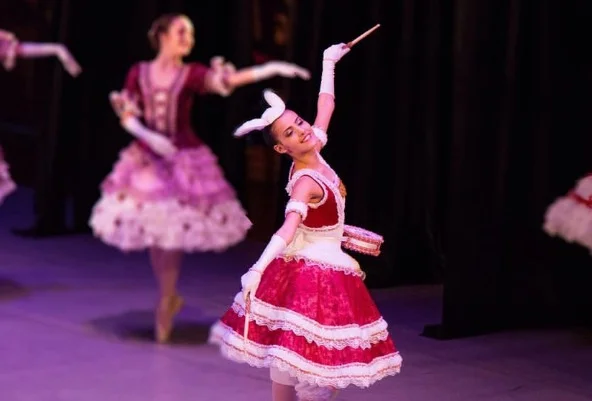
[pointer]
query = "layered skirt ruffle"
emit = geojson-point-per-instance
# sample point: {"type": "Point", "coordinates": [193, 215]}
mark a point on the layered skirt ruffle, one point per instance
{"type": "Point", "coordinates": [180, 204]}
{"type": "Point", "coordinates": [316, 323]}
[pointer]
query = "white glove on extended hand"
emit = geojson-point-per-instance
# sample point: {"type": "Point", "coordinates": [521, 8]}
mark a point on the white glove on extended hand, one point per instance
{"type": "Point", "coordinates": [251, 279]}
{"type": "Point", "coordinates": [250, 282]}
{"type": "Point", "coordinates": [335, 52]}
{"type": "Point", "coordinates": [68, 61]}
{"type": "Point", "coordinates": [331, 55]}
{"type": "Point", "coordinates": [219, 68]}
{"type": "Point", "coordinates": [281, 68]}
{"type": "Point", "coordinates": [155, 141]}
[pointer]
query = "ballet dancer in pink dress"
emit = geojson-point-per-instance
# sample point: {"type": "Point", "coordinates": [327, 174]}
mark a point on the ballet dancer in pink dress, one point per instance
{"type": "Point", "coordinates": [304, 311]}
{"type": "Point", "coordinates": [167, 193]}
{"type": "Point", "coordinates": [11, 49]}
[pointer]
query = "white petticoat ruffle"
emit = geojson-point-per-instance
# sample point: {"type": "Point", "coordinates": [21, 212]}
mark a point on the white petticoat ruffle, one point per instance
{"type": "Point", "coordinates": [168, 224]}
{"type": "Point", "coordinates": [362, 375]}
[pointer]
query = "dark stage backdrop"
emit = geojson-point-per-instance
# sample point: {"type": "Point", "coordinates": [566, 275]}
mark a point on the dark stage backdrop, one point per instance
{"type": "Point", "coordinates": [457, 123]}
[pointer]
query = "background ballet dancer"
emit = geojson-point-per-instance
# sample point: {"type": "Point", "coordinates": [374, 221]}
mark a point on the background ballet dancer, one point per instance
{"type": "Point", "coordinates": [167, 192]}
{"type": "Point", "coordinates": [11, 49]}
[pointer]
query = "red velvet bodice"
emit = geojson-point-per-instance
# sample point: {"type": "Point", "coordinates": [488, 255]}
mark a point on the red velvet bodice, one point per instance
{"type": "Point", "coordinates": [168, 110]}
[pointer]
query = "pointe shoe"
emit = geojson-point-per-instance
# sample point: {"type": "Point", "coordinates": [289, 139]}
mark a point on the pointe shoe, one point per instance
{"type": "Point", "coordinates": [166, 311]}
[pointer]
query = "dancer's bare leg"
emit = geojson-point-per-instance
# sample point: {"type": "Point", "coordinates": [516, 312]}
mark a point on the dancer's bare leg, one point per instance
{"type": "Point", "coordinates": [282, 385]}
{"type": "Point", "coordinates": [282, 392]}
{"type": "Point", "coordinates": [308, 392]}
{"type": "Point", "coordinates": [167, 268]}
{"type": "Point", "coordinates": [33, 50]}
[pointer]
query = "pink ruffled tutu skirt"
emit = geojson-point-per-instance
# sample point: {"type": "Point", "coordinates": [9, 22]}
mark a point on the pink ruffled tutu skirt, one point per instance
{"type": "Point", "coordinates": [314, 322]}
{"type": "Point", "coordinates": [570, 217]}
{"type": "Point", "coordinates": [6, 183]}
{"type": "Point", "coordinates": [179, 204]}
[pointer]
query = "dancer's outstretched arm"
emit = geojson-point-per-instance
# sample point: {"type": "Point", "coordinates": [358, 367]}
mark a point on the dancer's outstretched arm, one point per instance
{"type": "Point", "coordinates": [223, 78]}
{"type": "Point", "coordinates": [128, 114]}
{"type": "Point", "coordinates": [34, 50]}
{"type": "Point", "coordinates": [305, 189]}
{"type": "Point", "coordinates": [326, 101]}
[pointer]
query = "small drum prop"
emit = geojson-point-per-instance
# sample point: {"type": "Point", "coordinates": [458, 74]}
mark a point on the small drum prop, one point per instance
{"type": "Point", "coordinates": [360, 240]}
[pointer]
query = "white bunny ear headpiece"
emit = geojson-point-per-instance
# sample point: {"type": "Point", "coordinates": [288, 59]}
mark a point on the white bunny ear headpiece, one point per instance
{"type": "Point", "coordinates": [273, 112]}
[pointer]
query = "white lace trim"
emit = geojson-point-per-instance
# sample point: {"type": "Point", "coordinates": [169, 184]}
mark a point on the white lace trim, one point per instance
{"type": "Point", "coordinates": [298, 207]}
{"type": "Point", "coordinates": [324, 265]}
{"type": "Point", "coordinates": [331, 337]}
{"type": "Point", "coordinates": [315, 176]}
{"type": "Point", "coordinates": [234, 347]}
{"type": "Point", "coordinates": [329, 185]}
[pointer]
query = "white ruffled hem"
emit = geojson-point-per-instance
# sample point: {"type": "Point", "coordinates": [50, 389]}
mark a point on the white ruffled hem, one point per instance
{"type": "Point", "coordinates": [331, 337]}
{"type": "Point", "coordinates": [234, 347]}
{"type": "Point", "coordinates": [168, 225]}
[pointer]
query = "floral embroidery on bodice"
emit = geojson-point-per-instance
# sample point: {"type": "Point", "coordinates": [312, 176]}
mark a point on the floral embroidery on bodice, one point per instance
{"type": "Point", "coordinates": [161, 104]}
{"type": "Point", "coordinates": [167, 110]}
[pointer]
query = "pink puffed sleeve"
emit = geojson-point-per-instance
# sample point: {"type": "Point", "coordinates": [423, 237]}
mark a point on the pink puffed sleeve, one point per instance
{"type": "Point", "coordinates": [132, 82]}
{"type": "Point", "coordinates": [196, 79]}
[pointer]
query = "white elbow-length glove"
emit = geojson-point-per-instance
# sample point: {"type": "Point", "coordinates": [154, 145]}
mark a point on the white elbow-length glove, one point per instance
{"type": "Point", "coordinates": [280, 68]}
{"type": "Point", "coordinates": [331, 56]}
{"type": "Point", "coordinates": [128, 111]}
{"type": "Point", "coordinates": [157, 142]}
{"type": "Point", "coordinates": [251, 279]}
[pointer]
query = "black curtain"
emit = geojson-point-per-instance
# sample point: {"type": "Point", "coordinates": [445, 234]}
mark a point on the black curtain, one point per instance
{"type": "Point", "coordinates": [391, 126]}
{"type": "Point", "coordinates": [80, 150]}
{"type": "Point", "coordinates": [457, 123]}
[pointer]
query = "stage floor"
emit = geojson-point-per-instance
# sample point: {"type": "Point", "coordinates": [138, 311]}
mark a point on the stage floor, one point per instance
{"type": "Point", "coordinates": [75, 325]}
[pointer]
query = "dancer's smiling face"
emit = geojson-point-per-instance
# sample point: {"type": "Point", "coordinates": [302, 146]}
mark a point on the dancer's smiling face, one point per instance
{"type": "Point", "coordinates": [292, 134]}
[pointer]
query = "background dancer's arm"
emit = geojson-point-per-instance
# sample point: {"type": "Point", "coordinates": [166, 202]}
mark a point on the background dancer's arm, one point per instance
{"type": "Point", "coordinates": [126, 105]}
{"type": "Point", "coordinates": [223, 78]}
{"type": "Point", "coordinates": [33, 50]}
